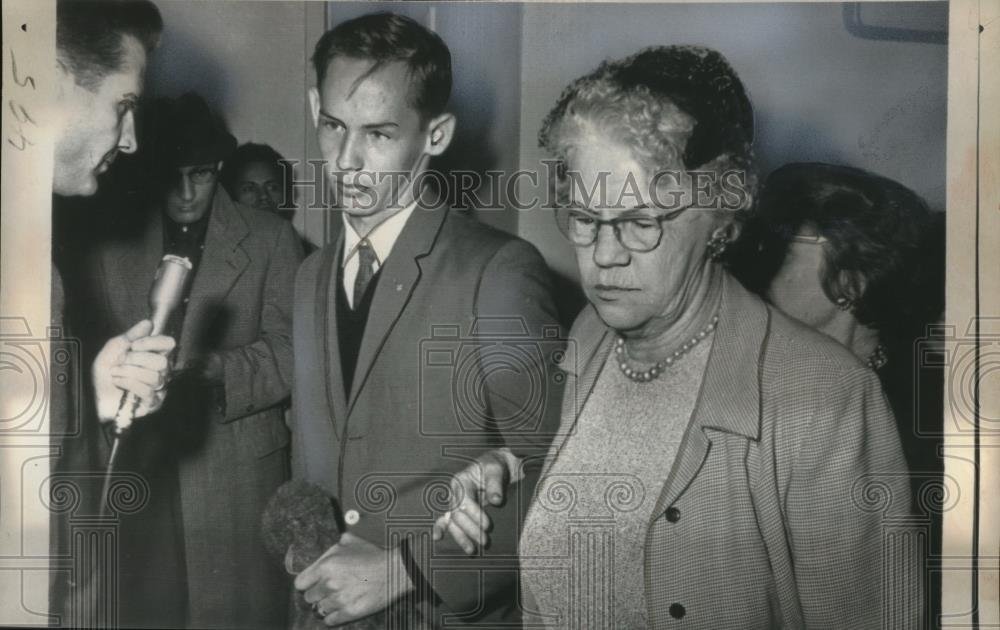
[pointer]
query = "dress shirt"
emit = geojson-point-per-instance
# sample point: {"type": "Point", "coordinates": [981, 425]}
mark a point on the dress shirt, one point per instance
{"type": "Point", "coordinates": [382, 239]}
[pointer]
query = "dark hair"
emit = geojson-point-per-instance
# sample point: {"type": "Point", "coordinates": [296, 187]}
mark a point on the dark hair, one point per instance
{"type": "Point", "coordinates": [385, 38]}
{"type": "Point", "coordinates": [251, 153]}
{"type": "Point", "coordinates": [90, 35]}
{"type": "Point", "coordinates": [883, 251]}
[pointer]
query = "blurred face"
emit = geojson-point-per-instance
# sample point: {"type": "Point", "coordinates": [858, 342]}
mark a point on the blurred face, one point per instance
{"type": "Point", "coordinates": [258, 185]}
{"type": "Point", "coordinates": [95, 126]}
{"type": "Point", "coordinates": [190, 195]}
{"type": "Point", "coordinates": [367, 130]}
{"type": "Point", "coordinates": [630, 289]}
{"type": "Point", "coordinates": [797, 289]}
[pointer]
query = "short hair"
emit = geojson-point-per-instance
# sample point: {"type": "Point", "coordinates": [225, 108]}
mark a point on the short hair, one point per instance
{"type": "Point", "coordinates": [385, 38]}
{"type": "Point", "coordinates": [675, 106]}
{"type": "Point", "coordinates": [881, 253]}
{"type": "Point", "coordinates": [90, 35]}
{"type": "Point", "coordinates": [250, 153]}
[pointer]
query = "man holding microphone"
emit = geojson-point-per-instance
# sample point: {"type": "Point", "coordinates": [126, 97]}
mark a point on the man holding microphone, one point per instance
{"type": "Point", "coordinates": [102, 46]}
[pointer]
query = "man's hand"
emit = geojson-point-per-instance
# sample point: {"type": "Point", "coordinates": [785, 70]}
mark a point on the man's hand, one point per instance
{"type": "Point", "coordinates": [351, 580]}
{"type": "Point", "coordinates": [485, 480]}
{"type": "Point", "coordinates": [133, 362]}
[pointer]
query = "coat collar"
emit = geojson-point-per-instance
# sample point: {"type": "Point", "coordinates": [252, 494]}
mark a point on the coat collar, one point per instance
{"type": "Point", "coordinates": [398, 277]}
{"type": "Point", "coordinates": [222, 263]}
{"type": "Point", "coordinates": [729, 399]}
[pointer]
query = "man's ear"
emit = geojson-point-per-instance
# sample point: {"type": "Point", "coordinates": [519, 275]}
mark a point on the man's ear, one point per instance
{"type": "Point", "coordinates": [314, 105]}
{"type": "Point", "coordinates": [441, 131]}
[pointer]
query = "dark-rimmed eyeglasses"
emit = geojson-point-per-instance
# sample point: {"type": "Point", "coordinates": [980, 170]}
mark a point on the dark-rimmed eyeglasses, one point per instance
{"type": "Point", "coordinates": [637, 233]}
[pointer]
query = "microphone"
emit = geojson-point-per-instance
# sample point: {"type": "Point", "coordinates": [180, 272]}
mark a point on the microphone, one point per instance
{"type": "Point", "coordinates": [165, 296]}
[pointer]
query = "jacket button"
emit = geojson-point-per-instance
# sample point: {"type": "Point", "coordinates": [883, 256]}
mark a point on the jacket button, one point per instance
{"type": "Point", "coordinates": [351, 517]}
{"type": "Point", "coordinates": [249, 408]}
{"type": "Point", "coordinates": [677, 611]}
{"type": "Point", "coordinates": [673, 514]}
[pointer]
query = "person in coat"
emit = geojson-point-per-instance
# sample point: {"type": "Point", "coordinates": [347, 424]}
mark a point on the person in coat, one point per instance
{"type": "Point", "coordinates": [217, 450]}
{"type": "Point", "coordinates": [719, 465]}
{"type": "Point", "coordinates": [422, 340]}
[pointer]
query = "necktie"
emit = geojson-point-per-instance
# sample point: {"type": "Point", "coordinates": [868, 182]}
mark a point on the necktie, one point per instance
{"type": "Point", "coordinates": [366, 270]}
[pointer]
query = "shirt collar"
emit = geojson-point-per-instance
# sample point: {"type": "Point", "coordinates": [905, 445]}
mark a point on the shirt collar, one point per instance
{"type": "Point", "coordinates": [382, 238]}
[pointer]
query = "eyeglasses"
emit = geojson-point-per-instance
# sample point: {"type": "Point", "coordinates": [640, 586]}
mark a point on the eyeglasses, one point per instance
{"type": "Point", "coordinates": [639, 233]}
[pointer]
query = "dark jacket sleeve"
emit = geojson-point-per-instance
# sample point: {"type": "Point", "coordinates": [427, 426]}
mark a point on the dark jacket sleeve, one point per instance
{"type": "Point", "coordinates": [258, 375]}
{"type": "Point", "coordinates": [521, 340]}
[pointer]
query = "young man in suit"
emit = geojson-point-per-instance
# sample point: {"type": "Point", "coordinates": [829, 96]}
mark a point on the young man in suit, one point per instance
{"type": "Point", "coordinates": [408, 327]}
{"type": "Point", "coordinates": [218, 448]}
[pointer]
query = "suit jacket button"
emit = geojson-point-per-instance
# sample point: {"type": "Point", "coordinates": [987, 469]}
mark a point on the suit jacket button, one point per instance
{"type": "Point", "coordinates": [249, 408]}
{"type": "Point", "coordinates": [351, 517]}
{"type": "Point", "coordinates": [673, 514]}
{"type": "Point", "coordinates": [677, 611]}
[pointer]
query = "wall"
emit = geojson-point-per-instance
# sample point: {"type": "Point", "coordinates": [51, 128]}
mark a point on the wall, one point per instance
{"type": "Point", "coordinates": [819, 92]}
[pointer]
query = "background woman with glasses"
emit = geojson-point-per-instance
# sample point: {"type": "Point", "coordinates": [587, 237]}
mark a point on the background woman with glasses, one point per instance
{"type": "Point", "coordinates": [713, 454]}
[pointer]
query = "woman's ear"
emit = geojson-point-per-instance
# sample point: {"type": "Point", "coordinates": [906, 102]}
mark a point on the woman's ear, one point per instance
{"type": "Point", "coordinates": [441, 132]}
{"type": "Point", "coordinates": [729, 230]}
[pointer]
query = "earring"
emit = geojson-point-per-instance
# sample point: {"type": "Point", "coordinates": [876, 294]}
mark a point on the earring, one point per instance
{"type": "Point", "coordinates": [717, 247]}
{"type": "Point", "coordinates": [844, 303]}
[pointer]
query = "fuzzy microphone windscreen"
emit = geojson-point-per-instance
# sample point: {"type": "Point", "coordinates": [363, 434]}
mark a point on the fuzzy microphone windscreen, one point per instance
{"type": "Point", "coordinates": [301, 518]}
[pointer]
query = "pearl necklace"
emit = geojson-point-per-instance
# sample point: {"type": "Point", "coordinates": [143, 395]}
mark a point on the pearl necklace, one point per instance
{"type": "Point", "coordinates": [645, 376]}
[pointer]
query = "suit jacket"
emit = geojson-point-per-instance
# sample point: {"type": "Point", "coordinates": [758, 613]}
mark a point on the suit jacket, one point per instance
{"type": "Point", "coordinates": [456, 359]}
{"type": "Point", "coordinates": [787, 503]}
{"type": "Point", "coordinates": [232, 453]}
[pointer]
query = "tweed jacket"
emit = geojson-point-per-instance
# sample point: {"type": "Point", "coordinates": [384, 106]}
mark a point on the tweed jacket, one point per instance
{"type": "Point", "coordinates": [455, 359]}
{"type": "Point", "coordinates": [787, 504]}
{"type": "Point", "coordinates": [235, 452]}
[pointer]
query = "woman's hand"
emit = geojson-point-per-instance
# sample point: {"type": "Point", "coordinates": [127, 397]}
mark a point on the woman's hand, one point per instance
{"type": "Point", "coordinates": [484, 481]}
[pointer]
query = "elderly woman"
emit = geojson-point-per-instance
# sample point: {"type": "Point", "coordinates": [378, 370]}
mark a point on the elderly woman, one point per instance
{"type": "Point", "coordinates": [711, 468]}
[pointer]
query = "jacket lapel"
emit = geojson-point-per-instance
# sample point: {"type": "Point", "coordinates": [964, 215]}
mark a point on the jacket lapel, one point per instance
{"type": "Point", "coordinates": [729, 400]}
{"type": "Point", "coordinates": [398, 278]}
{"type": "Point", "coordinates": [327, 316]}
{"type": "Point", "coordinates": [222, 262]}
